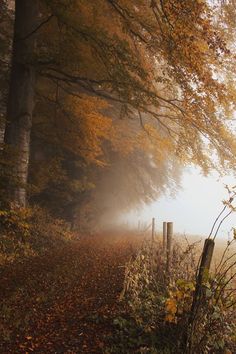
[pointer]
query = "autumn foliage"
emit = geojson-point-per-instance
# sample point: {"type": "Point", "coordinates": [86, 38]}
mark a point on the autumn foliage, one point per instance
{"type": "Point", "coordinates": [142, 94]}
{"type": "Point", "coordinates": [102, 105]}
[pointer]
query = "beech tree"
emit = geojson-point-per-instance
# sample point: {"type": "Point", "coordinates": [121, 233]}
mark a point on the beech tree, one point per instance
{"type": "Point", "coordinates": [82, 151]}
{"type": "Point", "coordinates": [21, 93]}
{"type": "Point", "coordinates": [164, 64]}
{"type": "Point", "coordinates": [6, 18]}
{"type": "Point", "coordinates": [165, 60]}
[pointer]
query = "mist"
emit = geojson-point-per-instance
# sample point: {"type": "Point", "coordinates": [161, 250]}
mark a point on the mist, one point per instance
{"type": "Point", "coordinates": [193, 208]}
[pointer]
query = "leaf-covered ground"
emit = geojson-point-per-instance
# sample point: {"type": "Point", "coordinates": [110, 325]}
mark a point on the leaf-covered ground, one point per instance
{"type": "Point", "coordinates": [65, 301]}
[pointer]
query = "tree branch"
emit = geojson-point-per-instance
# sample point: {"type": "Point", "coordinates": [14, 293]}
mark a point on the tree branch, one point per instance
{"type": "Point", "coordinates": [36, 29]}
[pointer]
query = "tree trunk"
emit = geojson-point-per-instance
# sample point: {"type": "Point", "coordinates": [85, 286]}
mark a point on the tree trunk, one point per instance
{"type": "Point", "coordinates": [21, 94]}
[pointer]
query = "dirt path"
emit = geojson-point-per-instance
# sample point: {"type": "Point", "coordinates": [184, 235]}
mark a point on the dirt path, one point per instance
{"type": "Point", "coordinates": [64, 302]}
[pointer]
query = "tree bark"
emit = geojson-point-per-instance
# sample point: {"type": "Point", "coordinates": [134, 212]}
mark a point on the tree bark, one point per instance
{"type": "Point", "coordinates": [21, 94]}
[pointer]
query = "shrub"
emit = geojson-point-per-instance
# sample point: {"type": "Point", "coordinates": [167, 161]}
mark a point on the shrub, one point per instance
{"type": "Point", "coordinates": [159, 305]}
{"type": "Point", "coordinates": [29, 231]}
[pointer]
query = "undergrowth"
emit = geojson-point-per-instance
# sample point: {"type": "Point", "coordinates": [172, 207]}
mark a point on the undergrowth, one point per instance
{"type": "Point", "coordinates": [158, 304]}
{"type": "Point", "coordinates": [26, 232]}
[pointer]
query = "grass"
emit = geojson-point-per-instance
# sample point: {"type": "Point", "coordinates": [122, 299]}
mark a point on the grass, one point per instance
{"type": "Point", "coordinates": [158, 305]}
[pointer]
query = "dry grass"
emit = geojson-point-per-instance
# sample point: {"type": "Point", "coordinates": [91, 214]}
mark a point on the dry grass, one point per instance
{"type": "Point", "coordinates": [159, 303]}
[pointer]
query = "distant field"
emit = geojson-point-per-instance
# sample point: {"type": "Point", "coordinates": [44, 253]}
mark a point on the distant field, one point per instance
{"type": "Point", "coordinates": [220, 245]}
{"type": "Point", "coordinates": [184, 240]}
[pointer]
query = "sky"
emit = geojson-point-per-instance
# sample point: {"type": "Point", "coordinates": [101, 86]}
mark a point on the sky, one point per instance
{"type": "Point", "coordinates": [194, 208]}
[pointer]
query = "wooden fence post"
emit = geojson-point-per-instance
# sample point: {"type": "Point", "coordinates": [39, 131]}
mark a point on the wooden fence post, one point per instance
{"type": "Point", "coordinates": [202, 277]}
{"type": "Point", "coordinates": [153, 229]}
{"type": "Point", "coordinates": [169, 245]}
{"type": "Point", "coordinates": [164, 236]}
{"type": "Point", "coordinates": [203, 272]}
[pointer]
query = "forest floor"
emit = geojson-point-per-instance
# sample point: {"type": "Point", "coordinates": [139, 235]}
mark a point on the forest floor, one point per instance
{"type": "Point", "coordinates": [66, 300]}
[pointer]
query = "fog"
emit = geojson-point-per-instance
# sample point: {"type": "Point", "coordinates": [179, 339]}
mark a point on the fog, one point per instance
{"type": "Point", "coordinates": [194, 207]}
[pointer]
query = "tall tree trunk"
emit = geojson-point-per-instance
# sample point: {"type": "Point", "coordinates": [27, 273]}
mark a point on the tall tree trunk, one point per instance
{"type": "Point", "coordinates": [21, 94]}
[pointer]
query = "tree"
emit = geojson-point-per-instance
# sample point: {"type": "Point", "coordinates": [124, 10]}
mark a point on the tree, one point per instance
{"type": "Point", "coordinates": [85, 158]}
{"type": "Point", "coordinates": [67, 140]}
{"type": "Point", "coordinates": [163, 64]}
{"type": "Point", "coordinates": [166, 60]}
{"type": "Point", "coordinates": [6, 19]}
{"type": "Point", "coordinates": [21, 93]}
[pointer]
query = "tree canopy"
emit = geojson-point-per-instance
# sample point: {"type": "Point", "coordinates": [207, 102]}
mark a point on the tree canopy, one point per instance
{"type": "Point", "coordinates": [165, 60]}
{"type": "Point", "coordinates": [126, 93]}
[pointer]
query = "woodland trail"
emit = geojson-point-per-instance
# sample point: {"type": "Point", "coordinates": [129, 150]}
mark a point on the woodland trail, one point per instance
{"type": "Point", "coordinates": [65, 301]}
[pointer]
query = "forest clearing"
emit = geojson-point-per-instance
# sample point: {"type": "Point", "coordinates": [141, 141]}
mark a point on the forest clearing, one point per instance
{"type": "Point", "coordinates": [104, 105]}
